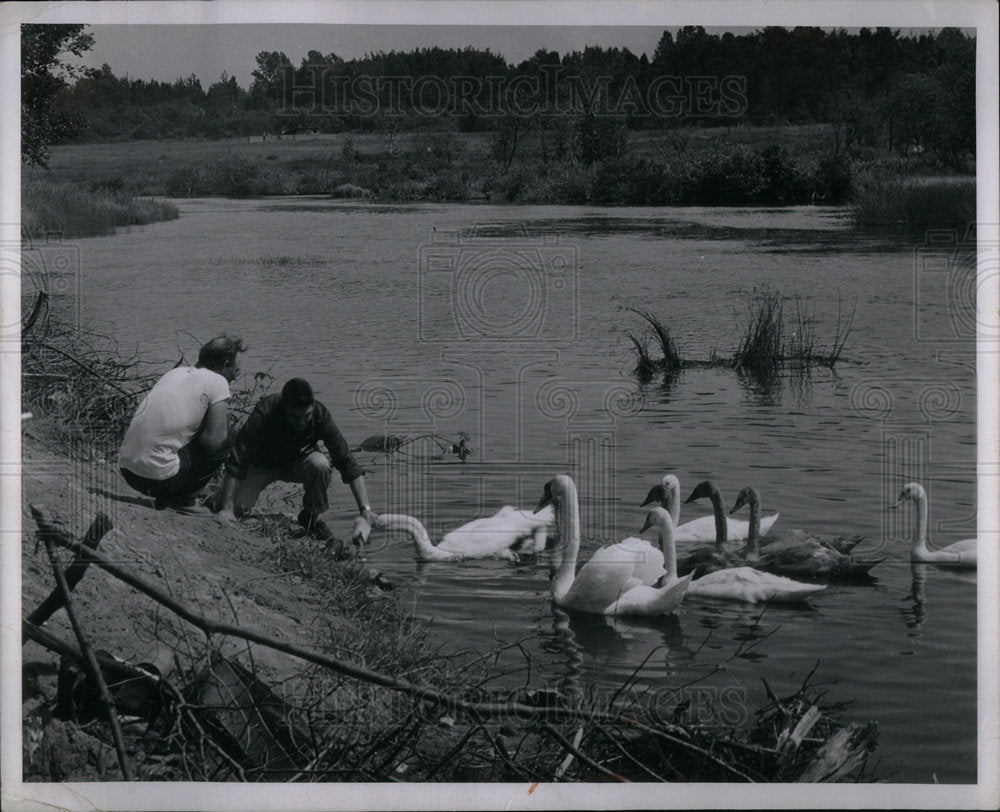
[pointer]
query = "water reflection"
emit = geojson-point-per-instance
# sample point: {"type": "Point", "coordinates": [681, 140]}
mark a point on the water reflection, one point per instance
{"type": "Point", "coordinates": [564, 643]}
{"type": "Point", "coordinates": [918, 611]}
{"type": "Point", "coordinates": [915, 615]}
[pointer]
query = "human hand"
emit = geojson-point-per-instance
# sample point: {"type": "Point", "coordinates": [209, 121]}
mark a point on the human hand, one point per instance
{"type": "Point", "coordinates": [362, 528]}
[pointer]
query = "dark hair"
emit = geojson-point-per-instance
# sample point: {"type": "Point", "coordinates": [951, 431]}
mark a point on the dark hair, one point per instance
{"type": "Point", "coordinates": [220, 351]}
{"type": "Point", "coordinates": [297, 392]}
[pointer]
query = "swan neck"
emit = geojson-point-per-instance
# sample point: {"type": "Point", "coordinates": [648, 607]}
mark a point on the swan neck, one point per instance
{"type": "Point", "coordinates": [721, 526]}
{"type": "Point", "coordinates": [669, 549]}
{"type": "Point", "coordinates": [753, 532]}
{"type": "Point", "coordinates": [920, 533]}
{"type": "Point", "coordinates": [414, 529]}
{"type": "Point", "coordinates": [567, 512]}
{"type": "Point", "coordinates": [673, 504]}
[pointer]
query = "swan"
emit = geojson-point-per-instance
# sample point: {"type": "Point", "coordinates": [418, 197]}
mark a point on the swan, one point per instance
{"type": "Point", "coordinates": [734, 583]}
{"type": "Point", "coordinates": [716, 557]}
{"type": "Point", "coordinates": [668, 494]}
{"type": "Point", "coordinates": [962, 554]}
{"type": "Point", "coordinates": [618, 579]}
{"type": "Point", "coordinates": [481, 541]}
{"type": "Point", "coordinates": [507, 527]}
{"type": "Point", "coordinates": [802, 555]}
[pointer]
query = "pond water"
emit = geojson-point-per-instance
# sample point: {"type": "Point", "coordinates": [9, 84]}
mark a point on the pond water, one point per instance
{"type": "Point", "coordinates": [507, 323]}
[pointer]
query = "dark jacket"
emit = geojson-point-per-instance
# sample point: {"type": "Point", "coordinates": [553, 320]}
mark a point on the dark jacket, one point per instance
{"type": "Point", "coordinates": [268, 441]}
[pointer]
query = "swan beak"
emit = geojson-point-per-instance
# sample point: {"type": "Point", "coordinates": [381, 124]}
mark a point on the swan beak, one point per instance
{"type": "Point", "coordinates": [656, 494]}
{"type": "Point", "coordinates": [895, 504]}
{"type": "Point", "coordinates": [545, 500]}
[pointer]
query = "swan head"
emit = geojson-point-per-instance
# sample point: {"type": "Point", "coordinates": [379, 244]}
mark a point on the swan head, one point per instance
{"type": "Point", "coordinates": [912, 491]}
{"type": "Point", "coordinates": [704, 489]}
{"type": "Point", "coordinates": [747, 496]}
{"type": "Point", "coordinates": [660, 494]}
{"type": "Point", "coordinates": [554, 490]}
{"type": "Point", "coordinates": [658, 517]}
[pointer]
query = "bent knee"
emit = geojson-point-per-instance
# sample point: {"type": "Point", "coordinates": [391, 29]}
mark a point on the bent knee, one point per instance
{"type": "Point", "coordinates": [317, 461]}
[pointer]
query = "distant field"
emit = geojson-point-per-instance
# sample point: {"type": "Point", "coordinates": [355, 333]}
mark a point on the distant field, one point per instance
{"type": "Point", "coordinates": [737, 165]}
{"type": "Point", "coordinates": [141, 162]}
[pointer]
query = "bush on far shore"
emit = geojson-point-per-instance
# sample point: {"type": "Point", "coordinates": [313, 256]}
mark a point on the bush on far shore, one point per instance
{"type": "Point", "coordinates": [73, 211]}
{"type": "Point", "coordinates": [884, 196]}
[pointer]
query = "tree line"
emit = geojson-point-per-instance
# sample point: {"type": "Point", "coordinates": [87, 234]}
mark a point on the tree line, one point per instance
{"type": "Point", "coordinates": [876, 88]}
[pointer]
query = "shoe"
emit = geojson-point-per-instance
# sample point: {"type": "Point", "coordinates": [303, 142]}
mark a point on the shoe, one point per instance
{"type": "Point", "coordinates": [316, 527]}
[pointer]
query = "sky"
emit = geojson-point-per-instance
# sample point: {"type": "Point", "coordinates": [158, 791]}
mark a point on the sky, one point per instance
{"type": "Point", "coordinates": [169, 52]}
{"type": "Point", "coordinates": [167, 41]}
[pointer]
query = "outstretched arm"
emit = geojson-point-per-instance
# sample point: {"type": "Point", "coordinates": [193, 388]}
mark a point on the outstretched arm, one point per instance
{"type": "Point", "coordinates": [362, 529]}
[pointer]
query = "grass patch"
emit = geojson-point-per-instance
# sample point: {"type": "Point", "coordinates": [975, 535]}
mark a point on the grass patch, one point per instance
{"type": "Point", "coordinates": [73, 211]}
{"type": "Point", "coordinates": [884, 197]}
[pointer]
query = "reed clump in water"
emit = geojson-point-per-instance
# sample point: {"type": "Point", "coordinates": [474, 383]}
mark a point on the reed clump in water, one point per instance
{"type": "Point", "coordinates": [670, 361]}
{"type": "Point", "coordinates": [760, 351]}
{"type": "Point", "coordinates": [767, 345]}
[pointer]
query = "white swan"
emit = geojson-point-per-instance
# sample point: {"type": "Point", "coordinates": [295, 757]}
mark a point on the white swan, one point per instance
{"type": "Point", "coordinates": [508, 527]}
{"type": "Point", "coordinates": [964, 554]}
{"type": "Point", "coordinates": [668, 495]}
{"type": "Point", "coordinates": [482, 541]}
{"type": "Point", "coordinates": [618, 579]}
{"type": "Point", "coordinates": [734, 583]}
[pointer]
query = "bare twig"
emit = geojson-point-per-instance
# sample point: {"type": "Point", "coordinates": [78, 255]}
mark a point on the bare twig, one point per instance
{"type": "Point", "coordinates": [74, 572]}
{"type": "Point", "coordinates": [107, 702]}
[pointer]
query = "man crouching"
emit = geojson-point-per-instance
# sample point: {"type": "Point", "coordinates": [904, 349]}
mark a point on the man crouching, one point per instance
{"type": "Point", "coordinates": [279, 442]}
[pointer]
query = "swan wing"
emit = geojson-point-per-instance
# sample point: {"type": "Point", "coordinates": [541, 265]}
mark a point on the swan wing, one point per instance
{"type": "Point", "coordinates": [752, 586]}
{"type": "Point", "coordinates": [841, 544]}
{"type": "Point", "coordinates": [649, 600]}
{"type": "Point", "coordinates": [611, 572]}
{"type": "Point", "coordinates": [492, 535]}
{"type": "Point", "coordinates": [964, 554]}
{"type": "Point", "coordinates": [647, 559]}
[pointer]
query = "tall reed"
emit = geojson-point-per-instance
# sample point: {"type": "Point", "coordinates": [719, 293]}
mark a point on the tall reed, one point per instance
{"type": "Point", "coordinates": [760, 351]}
{"type": "Point", "coordinates": [671, 360]}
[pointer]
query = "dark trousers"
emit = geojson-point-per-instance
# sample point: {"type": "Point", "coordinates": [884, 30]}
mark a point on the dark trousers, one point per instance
{"type": "Point", "coordinates": [313, 470]}
{"type": "Point", "coordinates": [196, 470]}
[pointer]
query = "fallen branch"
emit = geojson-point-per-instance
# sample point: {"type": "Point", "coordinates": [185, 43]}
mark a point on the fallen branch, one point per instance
{"type": "Point", "coordinates": [107, 702]}
{"type": "Point", "coordinates": [74, 572]}
{"type": "Point", "coordinates": [210, 627]}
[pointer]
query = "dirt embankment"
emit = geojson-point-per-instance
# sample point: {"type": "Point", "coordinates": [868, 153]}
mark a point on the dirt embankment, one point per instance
{"type": "Point", "coordinates": [226, 572]}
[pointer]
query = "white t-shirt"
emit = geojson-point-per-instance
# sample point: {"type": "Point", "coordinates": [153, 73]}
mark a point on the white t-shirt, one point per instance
{"type": "Point", "coordinates": [168, 418]}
